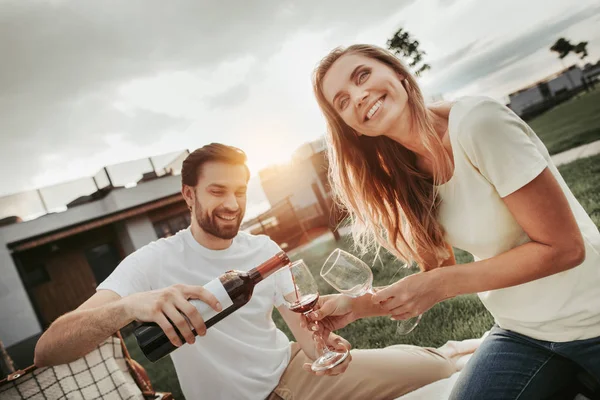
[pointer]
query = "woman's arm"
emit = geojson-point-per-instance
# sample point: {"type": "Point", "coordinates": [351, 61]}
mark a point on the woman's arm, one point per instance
{"type": "Point", "coordinates": [336, 311]}
{"type": "Point", "coordinates": [542, 210]}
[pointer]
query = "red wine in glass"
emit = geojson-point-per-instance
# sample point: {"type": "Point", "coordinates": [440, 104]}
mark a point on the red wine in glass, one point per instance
{"type": "Point", "coordinates": [305, 304]}
{"type": "Point", "coordinates": [300, 294]}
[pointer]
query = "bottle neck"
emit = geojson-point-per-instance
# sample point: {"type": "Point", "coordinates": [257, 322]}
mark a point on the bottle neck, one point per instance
{"type": "Point", "coordinates": [270, 266]}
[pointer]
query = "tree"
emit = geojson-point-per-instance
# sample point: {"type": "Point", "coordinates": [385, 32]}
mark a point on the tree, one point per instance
{"type": "Point", "coordinates": [563, 47]}
{"type": "Point", "coordinates": [581, 49]}
{"type": "Point", "coordinates": [406, 46]}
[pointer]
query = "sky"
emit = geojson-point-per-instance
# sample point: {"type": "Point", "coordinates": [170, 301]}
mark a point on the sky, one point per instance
{"type": "Point", "coordinates": [85, 84]}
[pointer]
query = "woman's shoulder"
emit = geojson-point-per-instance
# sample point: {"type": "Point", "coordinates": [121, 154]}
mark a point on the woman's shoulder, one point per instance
{"type": "Point", "coordinates": [479, 116]}
{"type": "Point", "coordinates": [478, 109]}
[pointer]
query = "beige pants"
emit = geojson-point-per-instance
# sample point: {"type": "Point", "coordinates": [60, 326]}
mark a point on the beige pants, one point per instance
{"type": "Point", "coordinates": [372, 374]}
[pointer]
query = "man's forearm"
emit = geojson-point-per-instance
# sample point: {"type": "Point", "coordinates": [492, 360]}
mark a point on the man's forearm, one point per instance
{"type": "Point", "coordinates": [77, 333]}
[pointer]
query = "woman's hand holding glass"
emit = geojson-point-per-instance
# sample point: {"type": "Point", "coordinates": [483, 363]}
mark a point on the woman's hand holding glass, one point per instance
{"type": "Point", "coordinates": [410, 297]}
{"type": "Point", "coordinates": [351, 276]}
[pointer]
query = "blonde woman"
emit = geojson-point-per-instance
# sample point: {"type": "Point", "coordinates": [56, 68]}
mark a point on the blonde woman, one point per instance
{"type": "Point", "coordinates": [472, 175]}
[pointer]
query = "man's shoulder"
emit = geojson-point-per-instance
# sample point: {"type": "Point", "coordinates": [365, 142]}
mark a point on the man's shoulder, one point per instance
{"type": "Point", "coordinates": [254, 239]}
{"type": "Point", "coordinates": [262, 241]}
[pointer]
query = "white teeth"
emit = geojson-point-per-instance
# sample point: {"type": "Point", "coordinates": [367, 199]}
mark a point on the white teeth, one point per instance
{"type": "Point", "coordinates": [226, 218]}
{"type": "Point", "coordinates": [374, 109]}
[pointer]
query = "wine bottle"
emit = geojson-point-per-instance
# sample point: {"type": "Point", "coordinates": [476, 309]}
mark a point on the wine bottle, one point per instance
{"type": "Point", "coordinates": [233, 289]}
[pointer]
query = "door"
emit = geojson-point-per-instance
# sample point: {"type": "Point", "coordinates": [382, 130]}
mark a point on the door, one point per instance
{"type": "Point", "coordinates": [103, 259]}
{"type": "Point", "coordinates": [69, 283]}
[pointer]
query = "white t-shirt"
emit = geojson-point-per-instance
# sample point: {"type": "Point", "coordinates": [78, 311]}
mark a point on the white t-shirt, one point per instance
{"type": "Point", "coordinates": [495, 154]}
{"type": "Point", "coordinates": [241, 357]}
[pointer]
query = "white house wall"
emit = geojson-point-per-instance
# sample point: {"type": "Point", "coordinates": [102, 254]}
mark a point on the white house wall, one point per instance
{"type": "Point", "coordinates": [117, 200]}
{"type": "Point", "coordinates": [295, 181]}
{"type": "Point", "coordinates": [123, 237]}
{"type": "Point", "coordinates": [146, 192]}
{"type": "Point", "coordinates": [562, 82]}
{"type": "Point", "coordinates": [526, 98]}
{"type": "Point", "coordinates": [303, 197]}
{"type": "Point", "coordinates": [140, 231]}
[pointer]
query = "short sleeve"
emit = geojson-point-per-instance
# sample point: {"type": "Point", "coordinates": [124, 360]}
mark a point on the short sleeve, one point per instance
{"type": "Point", "coordinates": [501, 146]}
{"type": "Point", "coordinates": [130, 276]}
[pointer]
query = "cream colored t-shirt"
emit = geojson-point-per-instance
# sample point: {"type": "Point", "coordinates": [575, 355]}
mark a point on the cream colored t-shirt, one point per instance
{"type": "Point", "coordinates": [495, 154]}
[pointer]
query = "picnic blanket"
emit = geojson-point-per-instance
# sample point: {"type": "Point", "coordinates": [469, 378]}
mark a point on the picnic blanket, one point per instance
{"type": "Point", "coordinates": [462, 352]}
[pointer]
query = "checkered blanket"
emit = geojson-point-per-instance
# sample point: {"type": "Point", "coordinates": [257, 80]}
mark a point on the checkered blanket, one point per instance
{"type": "Point", "coordinates": [101, 374]}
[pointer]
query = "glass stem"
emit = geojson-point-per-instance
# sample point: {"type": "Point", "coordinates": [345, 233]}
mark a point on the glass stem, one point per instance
{"type": "Point", "coordinates": [320, 345]}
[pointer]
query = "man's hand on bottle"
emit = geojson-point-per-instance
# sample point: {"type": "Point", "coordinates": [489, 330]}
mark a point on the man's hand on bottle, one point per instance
{"type": "Point", "coordinates": [170, 309]}
{"type": "Point", "coordinates": [334, 342]}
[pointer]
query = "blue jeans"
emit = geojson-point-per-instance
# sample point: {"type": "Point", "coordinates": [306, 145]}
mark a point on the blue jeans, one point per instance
{"type": "Point", "coordinates": [508, 365]}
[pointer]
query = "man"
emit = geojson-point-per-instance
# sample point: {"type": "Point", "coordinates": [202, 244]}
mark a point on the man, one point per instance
{"type": "Point", "coordinates": [244, 356]}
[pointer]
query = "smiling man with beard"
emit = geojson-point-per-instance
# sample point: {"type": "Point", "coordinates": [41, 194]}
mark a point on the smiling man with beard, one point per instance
{"type": "Point", "coordinates": [244, 356]}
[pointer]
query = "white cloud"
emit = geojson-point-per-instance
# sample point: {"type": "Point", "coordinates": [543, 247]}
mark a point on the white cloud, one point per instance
{"type": "Point", "coordinates": [86, 83]}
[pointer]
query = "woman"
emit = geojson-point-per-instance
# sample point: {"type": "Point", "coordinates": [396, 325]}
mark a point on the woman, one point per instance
{"type": "Point", "coordinates": [470, 174]}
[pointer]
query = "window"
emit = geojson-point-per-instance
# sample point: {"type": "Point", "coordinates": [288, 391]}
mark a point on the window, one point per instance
{"type": "Point", "coordinates": [169, 227]}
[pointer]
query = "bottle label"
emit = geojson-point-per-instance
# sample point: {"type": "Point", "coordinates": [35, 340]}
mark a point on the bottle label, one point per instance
{"type": "Point", "coordinates": [218, 290]}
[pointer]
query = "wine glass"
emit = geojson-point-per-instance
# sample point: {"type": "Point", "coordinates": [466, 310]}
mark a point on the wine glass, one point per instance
{"type": "Point", "coordinates": [349, 275]}
{"type": "Point", "coordinates": [300, 294]}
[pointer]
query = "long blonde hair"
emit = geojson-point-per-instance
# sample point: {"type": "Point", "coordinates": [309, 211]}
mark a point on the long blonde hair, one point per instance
{"type": "Point", "coordinates": [389, 200]}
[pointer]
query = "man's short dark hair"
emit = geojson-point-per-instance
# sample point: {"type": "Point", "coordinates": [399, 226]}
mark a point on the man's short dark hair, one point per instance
{"type": "Point", "coordinates": [191, 169]}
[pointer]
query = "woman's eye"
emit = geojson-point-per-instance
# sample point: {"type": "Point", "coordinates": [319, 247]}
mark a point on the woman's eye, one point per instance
{"type": "Point", "coordinates": [362, 76]}
{"type": "Point", "coordinates": [343, 103]}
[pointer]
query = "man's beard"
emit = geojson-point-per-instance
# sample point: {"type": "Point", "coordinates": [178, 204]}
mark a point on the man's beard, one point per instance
{"type": "Point", "coordinates": [211, 225]}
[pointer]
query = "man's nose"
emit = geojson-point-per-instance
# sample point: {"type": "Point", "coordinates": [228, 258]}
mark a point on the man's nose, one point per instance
{"type": "Point", "coordinates": [231, 203]}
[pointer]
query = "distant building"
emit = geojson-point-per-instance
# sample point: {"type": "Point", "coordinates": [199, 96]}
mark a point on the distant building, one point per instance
{"type": "Point", "coordinates": [51, 264]}
{"type": "Point", "coordinates": [300, 199]}
{"type": "Point", "coordinates": [550, 87]}
{"type": "Point", "coordinates": [591, 72]}
{"type": "Point", "coordinates": [303, 180]}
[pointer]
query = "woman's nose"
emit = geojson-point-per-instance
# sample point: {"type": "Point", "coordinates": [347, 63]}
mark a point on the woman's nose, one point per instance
{"type": "Point", "coordinates": [360, 97]}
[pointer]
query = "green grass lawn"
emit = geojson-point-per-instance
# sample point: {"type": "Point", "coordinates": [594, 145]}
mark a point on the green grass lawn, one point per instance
{"type": "Point", "coordinates": [570, 124]}
{"type": "Point", "coordinates": [459, 318]}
